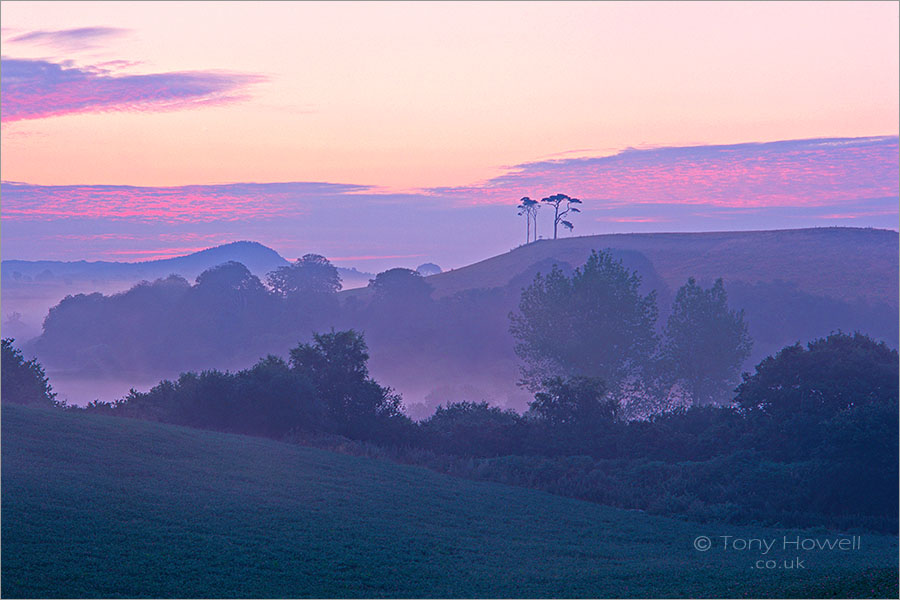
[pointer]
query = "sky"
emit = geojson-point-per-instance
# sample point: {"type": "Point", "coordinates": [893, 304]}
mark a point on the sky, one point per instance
{"type": "Point", "coordinates": [385, 134]}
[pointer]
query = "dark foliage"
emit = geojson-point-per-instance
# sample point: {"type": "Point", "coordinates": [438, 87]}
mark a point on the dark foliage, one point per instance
{"type": "Point", "coordinates": [335, 364]}
{"type": "Point", "coordinates": [828, 376]}
{"type": "Point", "coordinates": [23, 381]}
{"type": "Point", "coordinates": [473, 429]}
{"type": "Point", "coordinates": [325, 388]}
{"type": "Point", "coordinates": [560, 211]}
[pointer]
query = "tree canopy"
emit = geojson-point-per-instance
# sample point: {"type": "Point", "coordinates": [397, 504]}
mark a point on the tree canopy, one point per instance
{"type": "Point", "coordinates": [829, 375]}
{"type": "Point", "coordinates": [594, 324]}
{"type": "Point", "coordinates": [311, 275]}
{"type": "Point", "coordinates": [399, 284]}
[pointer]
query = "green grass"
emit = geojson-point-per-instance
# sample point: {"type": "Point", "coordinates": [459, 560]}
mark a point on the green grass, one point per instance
{"type": "Point", "coordinates": [97, 506]}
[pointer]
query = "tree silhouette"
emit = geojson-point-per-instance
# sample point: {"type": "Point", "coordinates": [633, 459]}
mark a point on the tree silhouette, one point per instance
{"type": "Point", "coordinates": [556, 200]}
{"type": "Point", "coordinates": [356, 405]}
{"type": "Point", "coordinates": [528, 208]}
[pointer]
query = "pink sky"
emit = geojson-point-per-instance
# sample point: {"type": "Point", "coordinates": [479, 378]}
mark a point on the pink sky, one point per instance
{"type": "Point", "coordinates": [386, 133]}
{"type": "Point", "coordinates": [405, 96]}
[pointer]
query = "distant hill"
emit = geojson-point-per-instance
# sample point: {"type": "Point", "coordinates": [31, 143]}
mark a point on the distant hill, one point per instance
{"type": "Point", "coordinates": [258, 258]}
{"type": "Point", "coordinates": [109, 507]}
{"type": "Point", "coordinates": [31, 287]}
{"type": "Point", "coordinates": [842, 263]}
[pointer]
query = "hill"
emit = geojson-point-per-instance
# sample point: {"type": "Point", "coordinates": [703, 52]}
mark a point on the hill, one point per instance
{"type": "Point", "coordinates": [30, 288]}
{"type": "Point", "coordinates": [256, 257]}
{"type": "Point", "coordinates": [99, 507]}
{"type": "Point", "coordinates": [842, 263]}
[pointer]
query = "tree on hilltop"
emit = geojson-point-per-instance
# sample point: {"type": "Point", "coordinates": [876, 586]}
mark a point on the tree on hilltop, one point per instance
{"type": "Point", "coordinates": [528, 208]}
{"type": "Point", "coordinates": [556, 201]}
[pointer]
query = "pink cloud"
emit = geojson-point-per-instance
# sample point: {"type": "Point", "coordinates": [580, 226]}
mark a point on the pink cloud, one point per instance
{"type": "Point", "coordinates": [184, 204]}
{"type": "Point", "coordinates": [35, 89]}
{"type": "Point", "coordinates": [792, 173]}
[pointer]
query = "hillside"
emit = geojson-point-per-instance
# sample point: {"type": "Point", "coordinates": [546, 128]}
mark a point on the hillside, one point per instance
{"type": "Point", "coordinates": [256, 257]}
{"type": "Point", "coordinates": [98, 507]}
{"type": "Point", "coordinates": [841, 263]}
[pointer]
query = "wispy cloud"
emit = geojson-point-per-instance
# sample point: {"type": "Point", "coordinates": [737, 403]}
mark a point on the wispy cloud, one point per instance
{"type": "Point", "coordinates": [79, 38]}
{"type": "Point", "coordinates": [798, 173]}
{"type": "Point", "coordinates": [183, 204]}
{"type": "Point", "coordinates": [34, 89]}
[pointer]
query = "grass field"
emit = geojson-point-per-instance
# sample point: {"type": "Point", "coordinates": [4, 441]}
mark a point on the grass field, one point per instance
{"type": "Point", "coordinates": [97, 506]}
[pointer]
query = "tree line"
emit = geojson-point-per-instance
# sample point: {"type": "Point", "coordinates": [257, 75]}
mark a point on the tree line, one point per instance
{"type": "Point", "coordinates": [594, 322]}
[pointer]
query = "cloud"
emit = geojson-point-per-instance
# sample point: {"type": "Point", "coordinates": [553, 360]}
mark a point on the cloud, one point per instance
{"type": "Point", "coordinates": [79, 38]}
{"type": "Point", "coordinates": [35, 89]}
{"type": "Point", "coordinates": [183, 204]}
{"type": "Point", "coordinates": [801, 173]}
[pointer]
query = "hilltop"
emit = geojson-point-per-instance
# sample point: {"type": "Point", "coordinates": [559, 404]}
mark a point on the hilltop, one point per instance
{"type": "Point", "coordinates": [258, 258]}
{"type": "Point", "coordinates": [100, 506]}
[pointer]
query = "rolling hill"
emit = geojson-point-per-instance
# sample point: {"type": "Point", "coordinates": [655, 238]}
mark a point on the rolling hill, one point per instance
{"type": "Point", "coordinates": [841, 263]}
{"type": "Point", "coordinates": [258, 258]}
{"type": "Point", "coordinates": [253, 255]}
{"type": "Point", "coordinates": [104, 507]}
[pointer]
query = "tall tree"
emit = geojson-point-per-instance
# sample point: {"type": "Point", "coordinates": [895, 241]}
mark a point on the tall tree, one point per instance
{"type": "Point", "coordinates": [528, 208]}
{"type": "Point", "coordinates": [557, 201]}
{"type": "Point", "coordinates": [705, 343]}
{"type": "Point", "coordinates": [594, 324]}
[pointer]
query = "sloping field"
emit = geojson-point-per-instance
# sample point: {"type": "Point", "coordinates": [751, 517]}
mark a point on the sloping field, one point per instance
{"type": "Point", "coordinates": [842, 263]}
{"type": "Point", "coordinates": [97, 506]}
